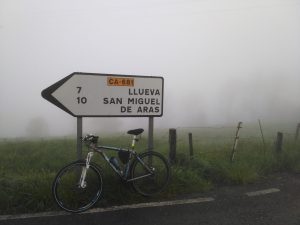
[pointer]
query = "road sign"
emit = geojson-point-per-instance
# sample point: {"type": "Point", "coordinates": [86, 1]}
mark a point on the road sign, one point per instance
{"type": "Point", "coordinates": [108, 95]}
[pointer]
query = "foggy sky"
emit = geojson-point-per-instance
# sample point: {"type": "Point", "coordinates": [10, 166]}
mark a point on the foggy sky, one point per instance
{"type": "Point", "coordinates": [223, 61]}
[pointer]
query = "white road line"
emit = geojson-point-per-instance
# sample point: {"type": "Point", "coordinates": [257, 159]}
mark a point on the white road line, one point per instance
{"type": "Point", "coordinates": [262, 192]}
{"type": "Point", "coordinates": [109, 209]}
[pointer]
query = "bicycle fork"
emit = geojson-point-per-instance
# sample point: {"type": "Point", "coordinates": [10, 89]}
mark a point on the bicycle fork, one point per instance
{"type": "Point", "coordinates": [82, 182]}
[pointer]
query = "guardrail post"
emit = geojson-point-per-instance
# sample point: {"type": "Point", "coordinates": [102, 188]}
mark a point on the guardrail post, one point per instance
{"type": "Point", "coordinates": [172, 145]}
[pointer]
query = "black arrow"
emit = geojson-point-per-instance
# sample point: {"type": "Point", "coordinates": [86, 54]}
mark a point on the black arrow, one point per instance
{"type": "Point", "coordinates": [47, 93]}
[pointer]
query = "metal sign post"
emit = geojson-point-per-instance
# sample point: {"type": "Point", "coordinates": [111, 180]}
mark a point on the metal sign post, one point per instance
{"type": "Point", "coordinates": [150, 133]}
{"type": "Point", "coordinates": [79, 136]}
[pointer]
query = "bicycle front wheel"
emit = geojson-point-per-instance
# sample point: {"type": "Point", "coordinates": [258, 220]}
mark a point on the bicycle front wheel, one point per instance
{"type": "Point", "coordinates": [150, 173]}
{"type": "Point", "coordinates": [67, 190]}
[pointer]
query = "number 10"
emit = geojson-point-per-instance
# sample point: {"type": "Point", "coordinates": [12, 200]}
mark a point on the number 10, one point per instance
{"type": "Point", "coordinates": [81, 100]}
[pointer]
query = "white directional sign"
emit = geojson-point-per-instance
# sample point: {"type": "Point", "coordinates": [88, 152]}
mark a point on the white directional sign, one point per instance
{"type": "Point", "coordinates": [104, 95]}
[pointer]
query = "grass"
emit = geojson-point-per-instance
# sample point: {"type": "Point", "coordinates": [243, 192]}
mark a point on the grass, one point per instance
{"type": "Point", "coordinates": [28, 167]}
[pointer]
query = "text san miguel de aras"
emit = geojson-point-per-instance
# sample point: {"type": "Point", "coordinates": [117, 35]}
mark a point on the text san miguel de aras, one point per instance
{"type": "Point", "coordinates": [147, 100]}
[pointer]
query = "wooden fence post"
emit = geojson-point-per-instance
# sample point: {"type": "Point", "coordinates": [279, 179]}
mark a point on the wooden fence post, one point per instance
{"type": "Point", "coordinates": [236, 141]}
{"type": "Point", "coordinates": [191, 145]}
{"type": "Point", "coordinates": [172, 145]}
{"type": "Point", "coordinates": [262, 136]}
{"type": "Point", "coordinates": [279, 142]}
{"type": "Point", "coordinates": [297, 132]}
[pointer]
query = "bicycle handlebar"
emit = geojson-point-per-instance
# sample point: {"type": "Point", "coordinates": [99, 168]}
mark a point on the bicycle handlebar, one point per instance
{"type": "Point", "coordinates": [90, 138]}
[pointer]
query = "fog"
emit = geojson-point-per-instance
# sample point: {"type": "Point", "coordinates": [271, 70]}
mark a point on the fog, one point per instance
{"type": "Point", "coordinates": [223, 61]}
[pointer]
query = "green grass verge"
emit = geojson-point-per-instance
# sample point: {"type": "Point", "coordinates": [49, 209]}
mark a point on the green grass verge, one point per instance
{"type": "Point", "coordinates": [28, 168]}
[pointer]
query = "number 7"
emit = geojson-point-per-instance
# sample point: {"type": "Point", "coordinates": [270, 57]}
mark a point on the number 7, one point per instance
{"type": "Point", "coordinates": [79, 89]}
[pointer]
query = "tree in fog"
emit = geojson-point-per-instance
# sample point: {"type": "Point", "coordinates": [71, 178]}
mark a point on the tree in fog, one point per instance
{"type": "Point", "coordinates": [37, 127]}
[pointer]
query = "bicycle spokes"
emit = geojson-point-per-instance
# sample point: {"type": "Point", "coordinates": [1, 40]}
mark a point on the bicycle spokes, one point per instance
{"type": "Point", "coordinates": [150, 173]}
{"type": "Point", "coordinates": [75, 196]}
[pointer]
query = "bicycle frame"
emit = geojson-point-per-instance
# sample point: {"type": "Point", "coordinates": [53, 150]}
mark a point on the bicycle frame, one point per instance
{"type": "Point", "coordinates": [124, 175]}
{"type": "Point", "coordinates": [101, 150]}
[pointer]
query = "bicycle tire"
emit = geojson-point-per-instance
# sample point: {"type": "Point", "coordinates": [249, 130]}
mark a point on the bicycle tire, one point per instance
{"type": "Point", "coordinates": [67, 192]}
{"type": "Point", "coordinates": [152, 184]}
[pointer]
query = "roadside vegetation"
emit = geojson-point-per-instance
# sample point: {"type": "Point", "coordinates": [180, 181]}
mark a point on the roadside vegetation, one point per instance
{"type": "Point", "coordinates": [28, 167]}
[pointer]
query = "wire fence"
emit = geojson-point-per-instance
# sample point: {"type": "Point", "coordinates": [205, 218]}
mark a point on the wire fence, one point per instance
{"type": "Point", "coordinates": [249, 137]}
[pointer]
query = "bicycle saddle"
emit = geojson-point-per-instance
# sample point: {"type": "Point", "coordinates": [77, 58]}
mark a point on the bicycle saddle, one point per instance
{"type": "Point", "coordinates": [136, 131]}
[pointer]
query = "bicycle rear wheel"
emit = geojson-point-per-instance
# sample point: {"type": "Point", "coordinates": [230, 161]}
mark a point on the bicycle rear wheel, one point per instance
{"type": "Point", "coordinates": [68, 193]}
{"type": "Point", "coordinates": [150, 173]}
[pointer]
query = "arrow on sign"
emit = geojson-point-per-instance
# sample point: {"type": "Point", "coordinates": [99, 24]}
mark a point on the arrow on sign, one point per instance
{"type": "Point", "coordinates": [102, 95]}
{"type": "Point", "coordinates": [47, 94]}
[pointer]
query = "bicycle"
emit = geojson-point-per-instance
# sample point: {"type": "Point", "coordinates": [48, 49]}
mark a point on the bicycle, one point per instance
{"type": "Point", "coordinates": [78, 186]}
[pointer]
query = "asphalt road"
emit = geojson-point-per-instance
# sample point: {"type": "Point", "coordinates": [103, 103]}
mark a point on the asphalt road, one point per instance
{"type": "Point", "coordinates": [273, 201]}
